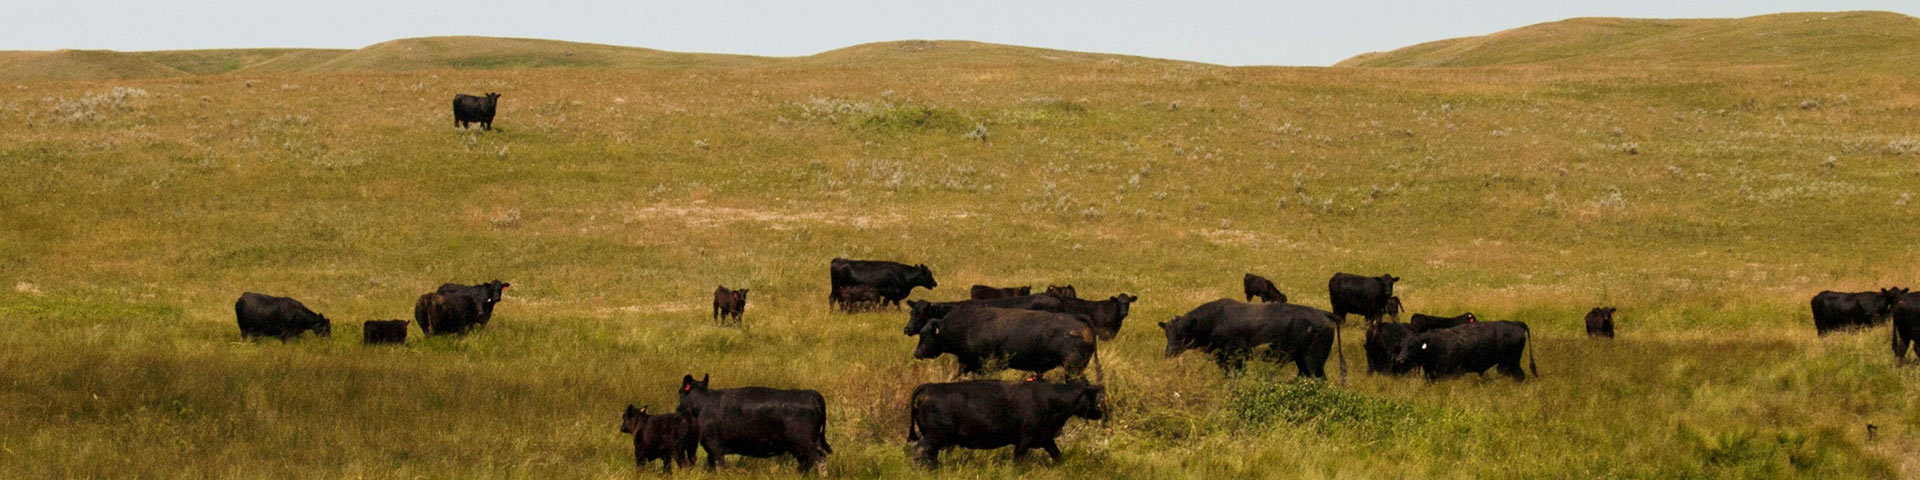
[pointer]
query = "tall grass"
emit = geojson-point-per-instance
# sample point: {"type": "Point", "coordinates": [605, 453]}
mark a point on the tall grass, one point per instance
{"type": "Point", "coordinates": [615, 201]}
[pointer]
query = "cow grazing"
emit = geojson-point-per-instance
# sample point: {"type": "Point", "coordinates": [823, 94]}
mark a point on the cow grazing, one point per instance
{"type": "Point", "coordinates": [1354, 294]}
{"type": "Point", "coordinates": [1834, 311]}
{"type": "Point", "coordinates": [1258, 286]}
{"type": "Point", "coordinates": [855, 298]}
{"type": "Point", "coordinates": [919, 312]}
{"type": "Point", "coordinates": [1906, 326]}
{"type": "Point", "coordinates": [384, 331]}
{"type": "Point", "coordinates": [471, 109]}
{"type": "Point", "coordinates": [893, 281]}
{"type": "Point", "coordinates": [1600, 322]}
{"type": "Point", "coordinates": [729, 303]}
{"type": "Point", "coordinates": [1026, 340]}
{"type": "Point", "coordinates": [984, 414]}
{"type": "Point", "coordinates": [1230, 330]}
{"type": "Point", "coordinates": [757, 422]}
{"type": "Point", "coordinates": [1471, 348]}
{"type": "Point", "coordinates": [1383, 343]}
{"type": "Point", "coordinates": [1061, 291]}
{"type": "Point", "coordinates": [261, 315]}
{"type": "Point", "coordinates": [669, 438]}
{"type": "Point", "coordinates": [983, 292]}
{"type": "Point", "coordinates": [456, 308]}
{"type": "Point", "coordinates": [1423, 323]}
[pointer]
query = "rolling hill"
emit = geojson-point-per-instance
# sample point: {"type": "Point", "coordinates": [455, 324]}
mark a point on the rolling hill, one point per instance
{"type": "Point", "coordinates": [1838, 41]}
{"type": "Point", "coordinates": [65, 65]}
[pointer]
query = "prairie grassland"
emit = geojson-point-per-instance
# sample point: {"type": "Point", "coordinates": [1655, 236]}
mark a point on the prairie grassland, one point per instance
{"type": "Point", "coordinates": [1706, 205]}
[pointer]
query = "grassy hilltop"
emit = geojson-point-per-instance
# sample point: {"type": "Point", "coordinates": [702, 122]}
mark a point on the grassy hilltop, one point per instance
{"type": "Point", "coordinates": [1707, 203]}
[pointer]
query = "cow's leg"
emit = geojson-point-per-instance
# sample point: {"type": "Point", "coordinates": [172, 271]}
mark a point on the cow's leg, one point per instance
{"type": "Point", "coordinates": [927, 453]}
{"type": "Point", "coordinates": [1900, 343]}
{"type": "Point", "coordinates": [1052, 449]}
{"type": "Point", "coordinates": [714, 452]}
{"type": "Point", "coordinates": [666, 464]}
{"type": "Point", "coordinates": [1512, 369]}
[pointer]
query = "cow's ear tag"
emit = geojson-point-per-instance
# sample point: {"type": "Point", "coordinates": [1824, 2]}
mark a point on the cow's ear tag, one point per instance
{"type": "Point", "coordinates": [686, 388]}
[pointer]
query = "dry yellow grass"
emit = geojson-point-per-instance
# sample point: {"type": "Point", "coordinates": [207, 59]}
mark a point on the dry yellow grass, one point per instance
{"type": "Point", "coordinates": [1706, 204]}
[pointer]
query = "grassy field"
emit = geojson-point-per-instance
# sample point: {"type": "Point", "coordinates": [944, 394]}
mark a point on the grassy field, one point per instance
{"type": "Point", "coordinates": [1707, 204]}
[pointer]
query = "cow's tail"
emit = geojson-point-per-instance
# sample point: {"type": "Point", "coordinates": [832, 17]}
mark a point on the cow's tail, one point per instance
{"type": "Point", "coordinates": [820, 432]}
{"type": "Point", "coordinates": [1531, 368]}
{"type": "Point", "coordinates": [1341, 352]}
{"type": "Point", "coordinates": [913, 417]}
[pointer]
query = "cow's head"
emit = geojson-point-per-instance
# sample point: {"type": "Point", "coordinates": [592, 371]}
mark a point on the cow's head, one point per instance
{"type": "Point", "coordinates": [1393, 308]}
{"type": "Point", "coordinates": [1178, 341]}
{"type": "Point", "coordinates": [492, 97]}
{"type": "Point", "coordinates": [1122, 304]}
{"type": "Point", "coordinates": [1062, 291]}
{"type": "Point", "coordinates": [633, 420]}
{"type": "Point", "coordinates": [923, 278]}
{"type": "Point", "coordinates": [929, 346]}
{"type": "Point", "coordinates": [1386, 282]}
{"type": "Point", "coordinates": [1889, 297]}
{"type": "Point", "coordinates": [321, 326]}
{"type": "Point", "coordinates": [1090, 401]}
{"type": "Point", "coordinates": [1417, 350]}
{"type": "Point", "coordinates": [740, 296]}
{"type": "Point", "coordinates": [693, 394]}
{"type": "Point", "coordinates": [494, 290]}
{"type": "Point", "coordinates": [919, 312]}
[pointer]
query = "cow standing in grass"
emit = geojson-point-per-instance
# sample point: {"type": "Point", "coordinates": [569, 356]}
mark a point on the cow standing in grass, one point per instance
{"type": "Point", "coordinates": [468, 109]}
{"type": "Point", "coordinates": [1367, 296]}
{"type": "Point", "coordinates": [985, 414]}
{"type": "Point", "coordinates": [1600, 322]}
{"type": "Point", "coordinates": [1230, 330]}
{"type": "Point", "coordinates": [1906, 326]}
{"type": "Point", "coordinates": [728, 302]}
{"type": "Point", "coordinates": [1472, 348]}
{"type": "Point", "coordinates": [757, 422]}
{"type": "Point", "coordinates": [670, 438]}
{"type": "Point", "coordinates": [892, 280]}
{"type": "Point", "coordinates": [1835, 311]}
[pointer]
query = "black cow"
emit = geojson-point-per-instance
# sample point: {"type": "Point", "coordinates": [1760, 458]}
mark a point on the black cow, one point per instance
{"type": "Point", "coordinates": [1906, 326]}
{"type": "Point", "coordinates": [1471, 348]}
{"type": "Point", "coordinates": [1366, 296]}
{"type": "Point", "coordinates": [263, 315]}
{"type": "Point", "coordinates": [383, 331]}
{"type": "Point", "coordinates": [919, 312]}
{"type": "Point", "coordinates": [1258, 286]}
{"type": "Point", "coordinates": [983, 292]}
{"type": "Point", "coordinates": [729, 303]}
{"type": "Point", "coordinates": [757, 422]}
{"type": "Point", "coordinates": [669, 438]}
{"type": "Point", "coordinates": [855, 298]}
{"type": "Point", "coordinates": [1833, 311]}
{"type": "Point", "coordinates": [489, 294]}
{"type": "Point", "coordinates": [984, 414]}
{"type": "Point", "coordinates": [1027, 340]}
{"type": "Point", "coordinates": [1066, 291]}
{"type": "Point", "coordinates": [456, 308]}
{"type": "Point", "coordinates": [1105, 316]}
{"type": "Point", "coordinates": [1384, 342]}
{"type": "Point", "coordinates": [892, 280]}
{"type": "Point", "coordinates": [1231, 329]}
{"type": "Point", "coordinates": [471, 109]}
{"type": "Point", "coordinates": [1423, 323]}
{"type": "Point", "coordinates": [1600, 322]}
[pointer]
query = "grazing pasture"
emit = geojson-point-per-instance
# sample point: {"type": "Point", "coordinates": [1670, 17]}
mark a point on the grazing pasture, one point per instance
{"type": "Point", "coordinates": [1711, 203]}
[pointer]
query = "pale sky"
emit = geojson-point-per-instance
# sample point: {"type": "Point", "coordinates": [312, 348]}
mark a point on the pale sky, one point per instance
{"type": "Point", "coordinates": [1223, 32]}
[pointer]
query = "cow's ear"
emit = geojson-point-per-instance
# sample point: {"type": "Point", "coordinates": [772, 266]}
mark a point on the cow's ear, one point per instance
{"type": "Point", "coordinates": [686, 384]}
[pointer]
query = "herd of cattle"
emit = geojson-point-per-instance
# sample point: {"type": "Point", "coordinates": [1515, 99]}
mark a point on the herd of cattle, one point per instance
{"type": "Point", "coordinates": [1013, 328]}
